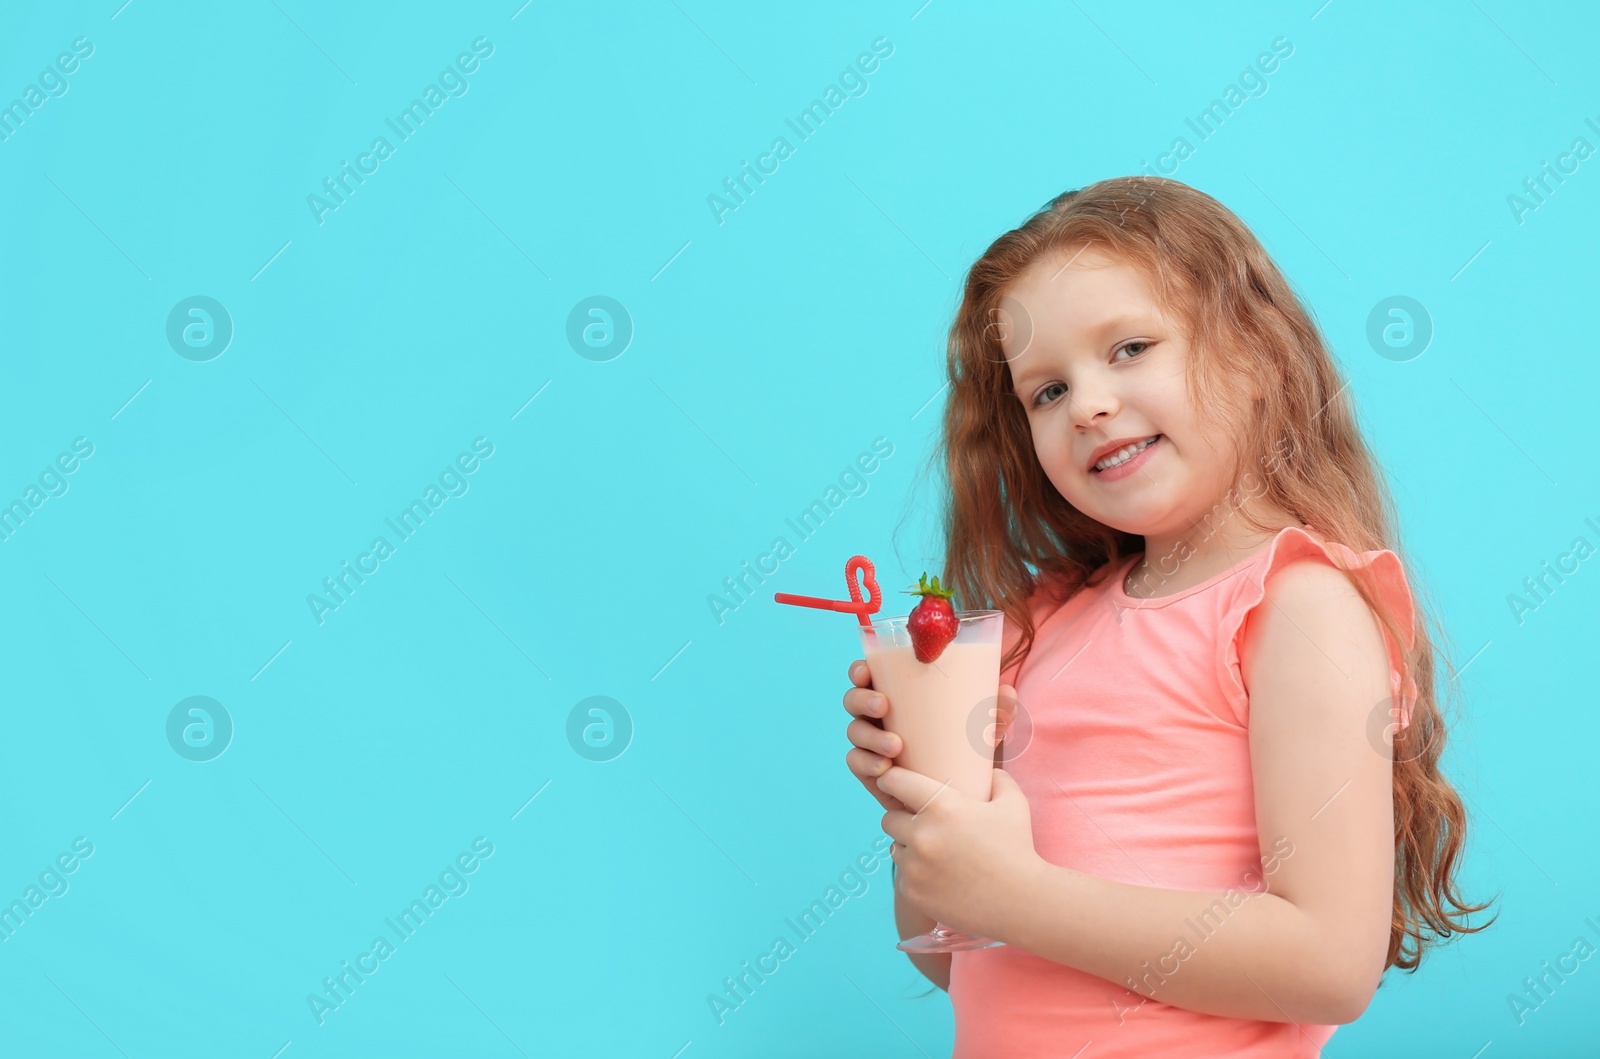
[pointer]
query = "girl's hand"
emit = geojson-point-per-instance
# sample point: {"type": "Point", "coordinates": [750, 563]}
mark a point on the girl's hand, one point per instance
{"type": "Point", "coordinates": [966, 863]}
{"type": "Point", "coordinates": [872, 748]}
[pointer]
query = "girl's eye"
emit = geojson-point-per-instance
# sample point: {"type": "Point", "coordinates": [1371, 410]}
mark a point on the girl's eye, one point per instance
{"type": "Point", "coordinates": [1040, 398]}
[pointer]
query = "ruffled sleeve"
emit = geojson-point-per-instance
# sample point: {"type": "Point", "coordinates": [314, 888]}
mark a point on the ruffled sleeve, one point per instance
{"type": "Point", "coordinates": [1380, 569]}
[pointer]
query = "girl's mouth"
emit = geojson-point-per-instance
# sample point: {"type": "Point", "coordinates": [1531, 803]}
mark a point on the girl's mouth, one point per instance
{"type": "Point", "coordinates": [1133, 463]}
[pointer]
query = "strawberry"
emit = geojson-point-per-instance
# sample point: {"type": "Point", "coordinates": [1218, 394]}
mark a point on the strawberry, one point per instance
{"type": "Point", "coordinates": [932, 623]}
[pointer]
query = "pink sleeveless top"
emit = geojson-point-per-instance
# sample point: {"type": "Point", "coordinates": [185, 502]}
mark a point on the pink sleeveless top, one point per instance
{"type": "Point", "coordinates": [1138, 769]}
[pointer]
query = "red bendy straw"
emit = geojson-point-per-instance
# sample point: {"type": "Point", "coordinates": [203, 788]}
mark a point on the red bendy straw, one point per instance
{"type": "Point", "coordinates": [856, 605]}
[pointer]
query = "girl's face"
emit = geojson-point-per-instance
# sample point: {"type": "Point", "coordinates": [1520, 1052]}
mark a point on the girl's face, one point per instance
{"type": "Point", "coordinates": [1094, 361]}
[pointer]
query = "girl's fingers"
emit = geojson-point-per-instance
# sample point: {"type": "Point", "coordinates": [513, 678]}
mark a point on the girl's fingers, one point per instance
{"type": "Point", "coordinates": [862, 764]}
{"type": "Point", "coordinates": [869, 737]}
{"type": "Point", "coordinates": [860, 675]}
{"type": "Point", "coordinates": [864, 702]}
{"type": "Point", "coordinates": [871, 747]}
{"type": "Point", "coordinates": [865, 764]}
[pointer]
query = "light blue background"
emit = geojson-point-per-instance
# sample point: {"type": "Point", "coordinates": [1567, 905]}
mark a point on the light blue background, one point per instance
{"type": "Point", "coordinates": [768, 351]}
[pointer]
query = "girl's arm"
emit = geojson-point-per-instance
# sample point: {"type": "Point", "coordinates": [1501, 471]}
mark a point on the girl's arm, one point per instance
{"type": "Point", "coordinates": [1312, 948]}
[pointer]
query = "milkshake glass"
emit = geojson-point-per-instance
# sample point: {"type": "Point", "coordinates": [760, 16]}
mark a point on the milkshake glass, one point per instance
{"type": "Point", "coordinates": [935, 707]}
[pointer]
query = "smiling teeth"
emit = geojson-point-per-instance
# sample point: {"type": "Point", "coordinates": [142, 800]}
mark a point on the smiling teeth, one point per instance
{"type": "Point", "coordinates": [1124, 455]}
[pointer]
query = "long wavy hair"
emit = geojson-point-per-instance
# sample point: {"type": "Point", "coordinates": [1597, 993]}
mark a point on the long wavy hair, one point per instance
{"type": "Point", "coordinates": [1008, 531]}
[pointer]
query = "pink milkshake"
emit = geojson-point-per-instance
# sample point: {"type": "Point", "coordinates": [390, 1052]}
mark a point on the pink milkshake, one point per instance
{"type": "Point", "coordinates": [943, 712]}
{"type": "Point", "coordinates": [940, 709]}
{"type": "Point", "coordinates": [944, 709]}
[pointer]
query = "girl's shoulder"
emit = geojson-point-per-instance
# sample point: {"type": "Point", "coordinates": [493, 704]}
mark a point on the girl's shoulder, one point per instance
{"type": "Point", "coordinates": [1379, 569]}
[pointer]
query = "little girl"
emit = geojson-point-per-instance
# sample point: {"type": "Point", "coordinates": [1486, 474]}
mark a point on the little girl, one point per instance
{"type": "Point", "coordinates": [1218, 817]}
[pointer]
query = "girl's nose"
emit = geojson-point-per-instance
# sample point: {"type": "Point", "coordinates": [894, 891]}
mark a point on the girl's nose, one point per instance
{"type": "Point", "coordinates": [1092, 405]}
